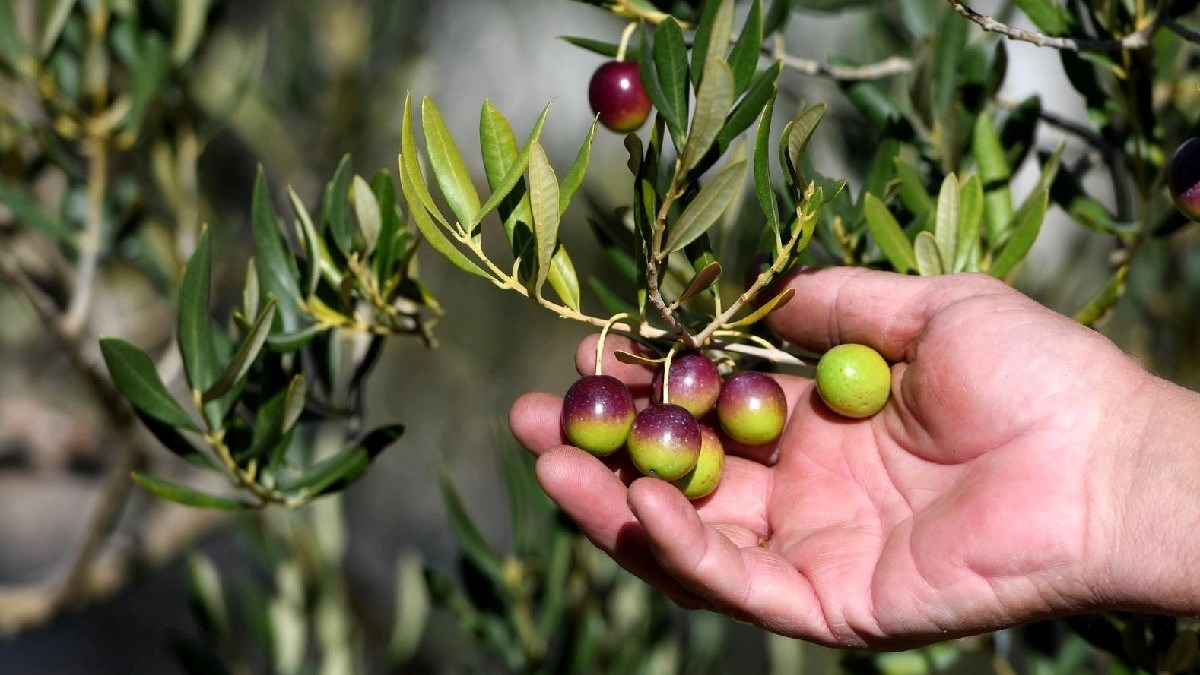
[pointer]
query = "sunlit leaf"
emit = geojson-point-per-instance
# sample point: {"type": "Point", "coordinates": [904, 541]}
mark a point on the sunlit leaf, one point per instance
{"type": "Point", "coordinates": [711, 38]}
{"type": "Point", "coordinates": [671, 66]}
{"type": "Point", "coordinates": [190, 20]}
{"type": "Point", "coordinates": [929, 259]}
{"type": "Point", "coordinates": [1045, 14]}
{"type": "Point", "coordinates": [743, 59]}
{"type": "Point", "coordinates": [410, 166]}
{"type": "Point", "coordinates": [703, 279]}
{"type": "Point", "coordinates": [449, 170]}
{"type": "Point", "coordinates": [495, 134]}
{"type": "Point", "coordinates": [713, 102]}
{"type": "Point", "coordinates": [431, 232]}
{"type": "Point", "coordinates": [767, 307]}
{"type": "Point", "coordinates": [970, 215]}
{"type": "Point", "coordinates": [888, 235]}
{"type": "Point", "coordinates": [543, 199]}
{"type": "Point", "coordinates": [574, 177]}
{"type": "Point", "coordinates": [714, 198]}
{"type": "Point", "coordinates": [763, 187]}
{"type": "Point", "coordinates": [366, 210]}
{"type": "Point", "coordinates": [563, 278]}
{"type": "Point", "coordinates": [995, 173]}
{"type": "Point", "coordinates": [946, 221]}
{"type": "Point", "coordinates": [1024, 233]}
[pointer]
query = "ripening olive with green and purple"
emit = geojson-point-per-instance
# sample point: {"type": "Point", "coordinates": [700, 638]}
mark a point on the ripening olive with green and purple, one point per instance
{"type": "Point", "coordinates": [703, 479]}
{"type": "Point", "coordinates": [752, 408]}
{"type": "Point", "coordinates": [1183, 178]}
{"type": "Point", "coordinates": [665, 441]}
{"type": "Point", "coordinates": [597, 414]}
{"type": "Point", "coordinates": [618, 97]}
{"type": "Point", "coordinates": [693, 381]}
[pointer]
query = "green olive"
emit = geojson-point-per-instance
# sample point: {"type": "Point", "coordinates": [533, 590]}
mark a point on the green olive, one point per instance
{"type": "Point", "coordinates": [854, 380]}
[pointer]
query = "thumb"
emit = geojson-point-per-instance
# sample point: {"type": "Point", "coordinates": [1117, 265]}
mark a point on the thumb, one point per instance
{"type": "Point", "coordinates": [884, 310]}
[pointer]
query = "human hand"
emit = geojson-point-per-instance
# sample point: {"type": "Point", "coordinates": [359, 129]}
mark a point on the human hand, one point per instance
{"type": "Point", "coordinates": [976, 499]}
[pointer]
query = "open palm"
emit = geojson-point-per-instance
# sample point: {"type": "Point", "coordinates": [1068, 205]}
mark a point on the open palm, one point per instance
{"type": "Point", "coordinates": [969, 503]}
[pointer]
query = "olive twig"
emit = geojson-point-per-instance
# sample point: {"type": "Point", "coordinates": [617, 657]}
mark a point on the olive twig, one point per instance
{"type": "Point", "coordinates": [603, 335]}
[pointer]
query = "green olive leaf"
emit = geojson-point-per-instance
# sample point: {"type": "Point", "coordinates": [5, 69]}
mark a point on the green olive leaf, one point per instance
{"type": "Point", "coordinates": [135, 376]}
{"type": "Point", "coordinates": [544, 199]}
{"type": "Point", "coordinates": [410, 166]}
{"type": "Point", "coordinates": [946, 221]}
{"type": "Point", "coordinates": [181, 494]}
{"type": "Point", "coordinates": [195, 336]}
{"type": "Point", "coordinates": [712, 201]}
{"type": "Point", "coordinates": [430, 231]}
{"type": "Point", "coordinates": [929, 259]}
{"type": "Point", "coordinates": [970, 215]}
{"type": "Point", "coordinates": [767, 307]}
{"type": "Point", "coordinates": [713, 102]}
{"type": "Point", "coordinates": [888, 235]}
{"type": "Point", "coordinates": [447, 164]}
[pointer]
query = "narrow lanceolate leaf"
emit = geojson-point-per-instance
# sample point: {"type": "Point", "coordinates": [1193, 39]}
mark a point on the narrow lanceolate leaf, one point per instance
{"type": "Point", "coordinates": [707, 207]}
{"type": "Point", "coordinates": [410, 165]}
{"type": "Point", "coordinates": [801, 132]}
{"type": "Point", "coordinates": [276, 267]}
{"type": "Point", "coordinates": [54, 17]}
{"type": "Point", "coordinates": [712, 36]}
{"type": "Point", "coordinates": [498, 146]}
{"type": "Point", "coordinates": [563, 278]}
{"type": "Point", "coordinates": [912, 190]}
{"type": "Point", "coordinates": [313, 246]}
{"type": "Point", "coordinates": [671, 66]}
{"type": "Point", "coordinates": [474, 547]}
{"type": "Point", "coordinates": [706, 277]}
{"type": "Point", "coordinates": [495, 134]}
{"type": "Point", "coordinates": [447, 164]}
{"type": "Point", "coordinates": [245, 355]}
{"type": "Point", "coordinates": [888, 235]}
{"type": "Point", "coordinates": [970, 215]}
{"type": "Point", "coordinates": [766, 308]}
{"type": "Point", "coordinates": [195, 327]}
{"type": "Point", "coordinates": [748, 109]}
{"type": "Point", "coordinates": [436, 238]}
{"type": "Point", "coordinates": [713, 102]}
{"type": "Point", "coordinates": [574, 177]}
{"type": "Point", "coordinates": [1103, 301]}
{"type": "Point", "coordinates": [764, 189]}
{"type": "Point", "coordinates": [190, 20]}
{"type": "Point", "coordinates": [543, 198]}
{"type": "Point", "coordinates": [744, 57]}
{"type": "Point", "coordinates": [181, 494]}
{"type": "Point", "coordinates": [334, 206]}
{"type": "Point", "coordinates": [945, 224]}
{"type": "Point", "coordinates": [346, 467]}
{"type": "Point", "coordinates": [135, 376]}
{"type": "Point", "coordinates": [650, 82]}
{"type": "Point", "coordinates": [1045, 15]}
{"type": "Point", "coordinates": [1024, 233]}
{"type": "Point", "coordinates": [366, 209]}
{"type": "Point", "coordinates": [929, 260]}
{"type": "Point", "coordinates": [995, 173]}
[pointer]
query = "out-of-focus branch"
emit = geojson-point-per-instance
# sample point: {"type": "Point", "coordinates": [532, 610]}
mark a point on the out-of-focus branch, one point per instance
{"type": "Point", "coordinates": [1138, 39]}
{"type": "Point", "coordinates": [1181, 30]}
{"type": "Point", "coordinates": [166, 533]}
{"type": "Point", "coordinates": [895, 65]}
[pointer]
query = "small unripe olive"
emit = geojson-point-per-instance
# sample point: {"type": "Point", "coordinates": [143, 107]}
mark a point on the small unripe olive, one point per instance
{"type": "Point", "coordinates": [854, 380]}
{"type": "Point", "coordinates": [664, 441]}
{"type": "Point", "coordinates": [706, 475]}
{"type": "Point", "coordinates": [597, 413]}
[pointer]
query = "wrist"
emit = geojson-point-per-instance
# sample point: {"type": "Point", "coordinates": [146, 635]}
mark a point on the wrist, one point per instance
{"type": "Point", "coordinates": [1145, 545]}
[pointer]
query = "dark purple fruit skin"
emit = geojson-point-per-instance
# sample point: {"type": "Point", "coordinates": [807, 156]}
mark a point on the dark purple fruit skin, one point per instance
{"type": "Point", "coordinates": [1183, 178]}
{"type": "Point", "coordinates": [752, 408]}
{"type": "Point", "coordinates": [618, 97]}
{"type": "Point", "coordinates": [597, 413]}
{"type": "Point", "coordinates": [664, 441]}
{"type": "Point", "coordinates": [695, 384]}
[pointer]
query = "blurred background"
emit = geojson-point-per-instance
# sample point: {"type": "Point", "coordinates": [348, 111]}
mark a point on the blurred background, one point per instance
{"type": "Point", "coordinates": [293, 87]}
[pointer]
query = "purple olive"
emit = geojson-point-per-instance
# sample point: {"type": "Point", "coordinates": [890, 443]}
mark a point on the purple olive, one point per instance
{"type": "Point", "coordinates": [694, 383]}
{"type": "Point", "coordinates": [1183, 178]}
{"type": "Point", "coordinates": [752, 408]}
{"type": "Point", "coordinates": [664, 441]}
{"type": "Point", "coordinates": [618, 97]}
{"type": "Point", "coordinates": [597, 413]}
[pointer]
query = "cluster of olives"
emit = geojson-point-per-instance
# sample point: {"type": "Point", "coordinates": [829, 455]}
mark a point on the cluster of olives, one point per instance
{"type": "Point", "coordinates": [673, 439]}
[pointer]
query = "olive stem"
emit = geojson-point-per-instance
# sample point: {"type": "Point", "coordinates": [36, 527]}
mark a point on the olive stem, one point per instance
{"type": "Point", "coordinates": [625, 36]}
{"type": "Point", "coordinates": [603, 335]}
{"type": "Point", "coordinates": [667, 371]}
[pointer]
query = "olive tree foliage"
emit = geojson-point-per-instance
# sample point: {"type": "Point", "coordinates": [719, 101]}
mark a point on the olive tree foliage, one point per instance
{"type": "Point", "coordinates": [268, 396]}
